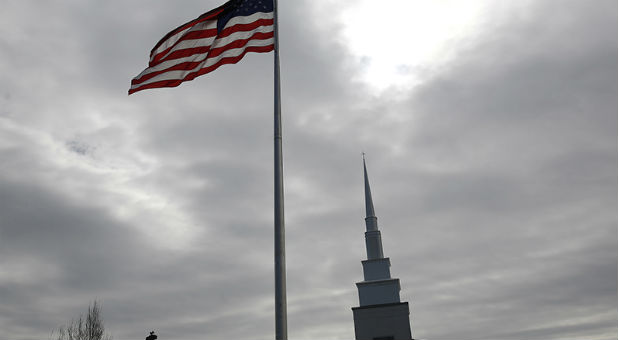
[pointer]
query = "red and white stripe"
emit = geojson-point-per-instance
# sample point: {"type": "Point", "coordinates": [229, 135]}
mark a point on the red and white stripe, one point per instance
{"type": "Point", "coordinates": [195, 48]}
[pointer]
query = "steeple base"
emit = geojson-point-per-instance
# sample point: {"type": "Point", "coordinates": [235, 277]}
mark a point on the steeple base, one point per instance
{"type": "Point", "coordinates": [382, 322]}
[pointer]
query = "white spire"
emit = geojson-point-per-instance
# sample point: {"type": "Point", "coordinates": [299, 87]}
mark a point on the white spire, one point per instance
{"type": "Point", "coordinates": [370, 212]}
{"type": "Point", "coordinates": [373, 239]}
{"type": "Point", "coordinates": [371, 221]}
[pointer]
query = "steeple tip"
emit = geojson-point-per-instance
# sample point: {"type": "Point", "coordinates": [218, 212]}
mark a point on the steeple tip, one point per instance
{"type": "Point", "coordinates": [369, 209]}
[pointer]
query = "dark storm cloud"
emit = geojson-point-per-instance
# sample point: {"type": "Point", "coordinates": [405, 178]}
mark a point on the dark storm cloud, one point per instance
{"type": "Point", "coordinates": [58, 247]}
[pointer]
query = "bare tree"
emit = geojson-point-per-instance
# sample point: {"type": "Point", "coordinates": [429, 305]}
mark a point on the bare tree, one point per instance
{"type": "Point", "coordinates": [89, 327]}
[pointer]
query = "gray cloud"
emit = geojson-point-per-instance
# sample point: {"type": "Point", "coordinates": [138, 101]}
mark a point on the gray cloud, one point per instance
{"type": "Point", "coordinates": [494, 179]}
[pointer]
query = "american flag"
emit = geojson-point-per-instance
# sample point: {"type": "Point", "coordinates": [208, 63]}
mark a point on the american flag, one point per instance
{"type": "Point", "coordinates": [221, 36]}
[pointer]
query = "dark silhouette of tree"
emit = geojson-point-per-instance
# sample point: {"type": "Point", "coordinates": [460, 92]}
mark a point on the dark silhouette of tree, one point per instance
{"type": "Point", "coordinates": [89, 327]}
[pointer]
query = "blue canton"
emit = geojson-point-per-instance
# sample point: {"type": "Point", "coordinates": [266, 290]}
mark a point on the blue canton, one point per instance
{"type": "Point", "coordinates": [242, 8]}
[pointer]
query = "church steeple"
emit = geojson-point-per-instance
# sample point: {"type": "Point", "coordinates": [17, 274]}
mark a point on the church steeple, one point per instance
{"type": "Point", "coordinates": [381, 314]}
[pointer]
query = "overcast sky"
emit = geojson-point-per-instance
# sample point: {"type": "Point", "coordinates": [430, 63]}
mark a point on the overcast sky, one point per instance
{"type": "Point", "coordinates": [491, 133]}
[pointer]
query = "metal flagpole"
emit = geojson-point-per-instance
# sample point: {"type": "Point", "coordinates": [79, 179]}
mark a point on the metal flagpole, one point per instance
{"type": "Point", "coordinates": [281, 322]}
